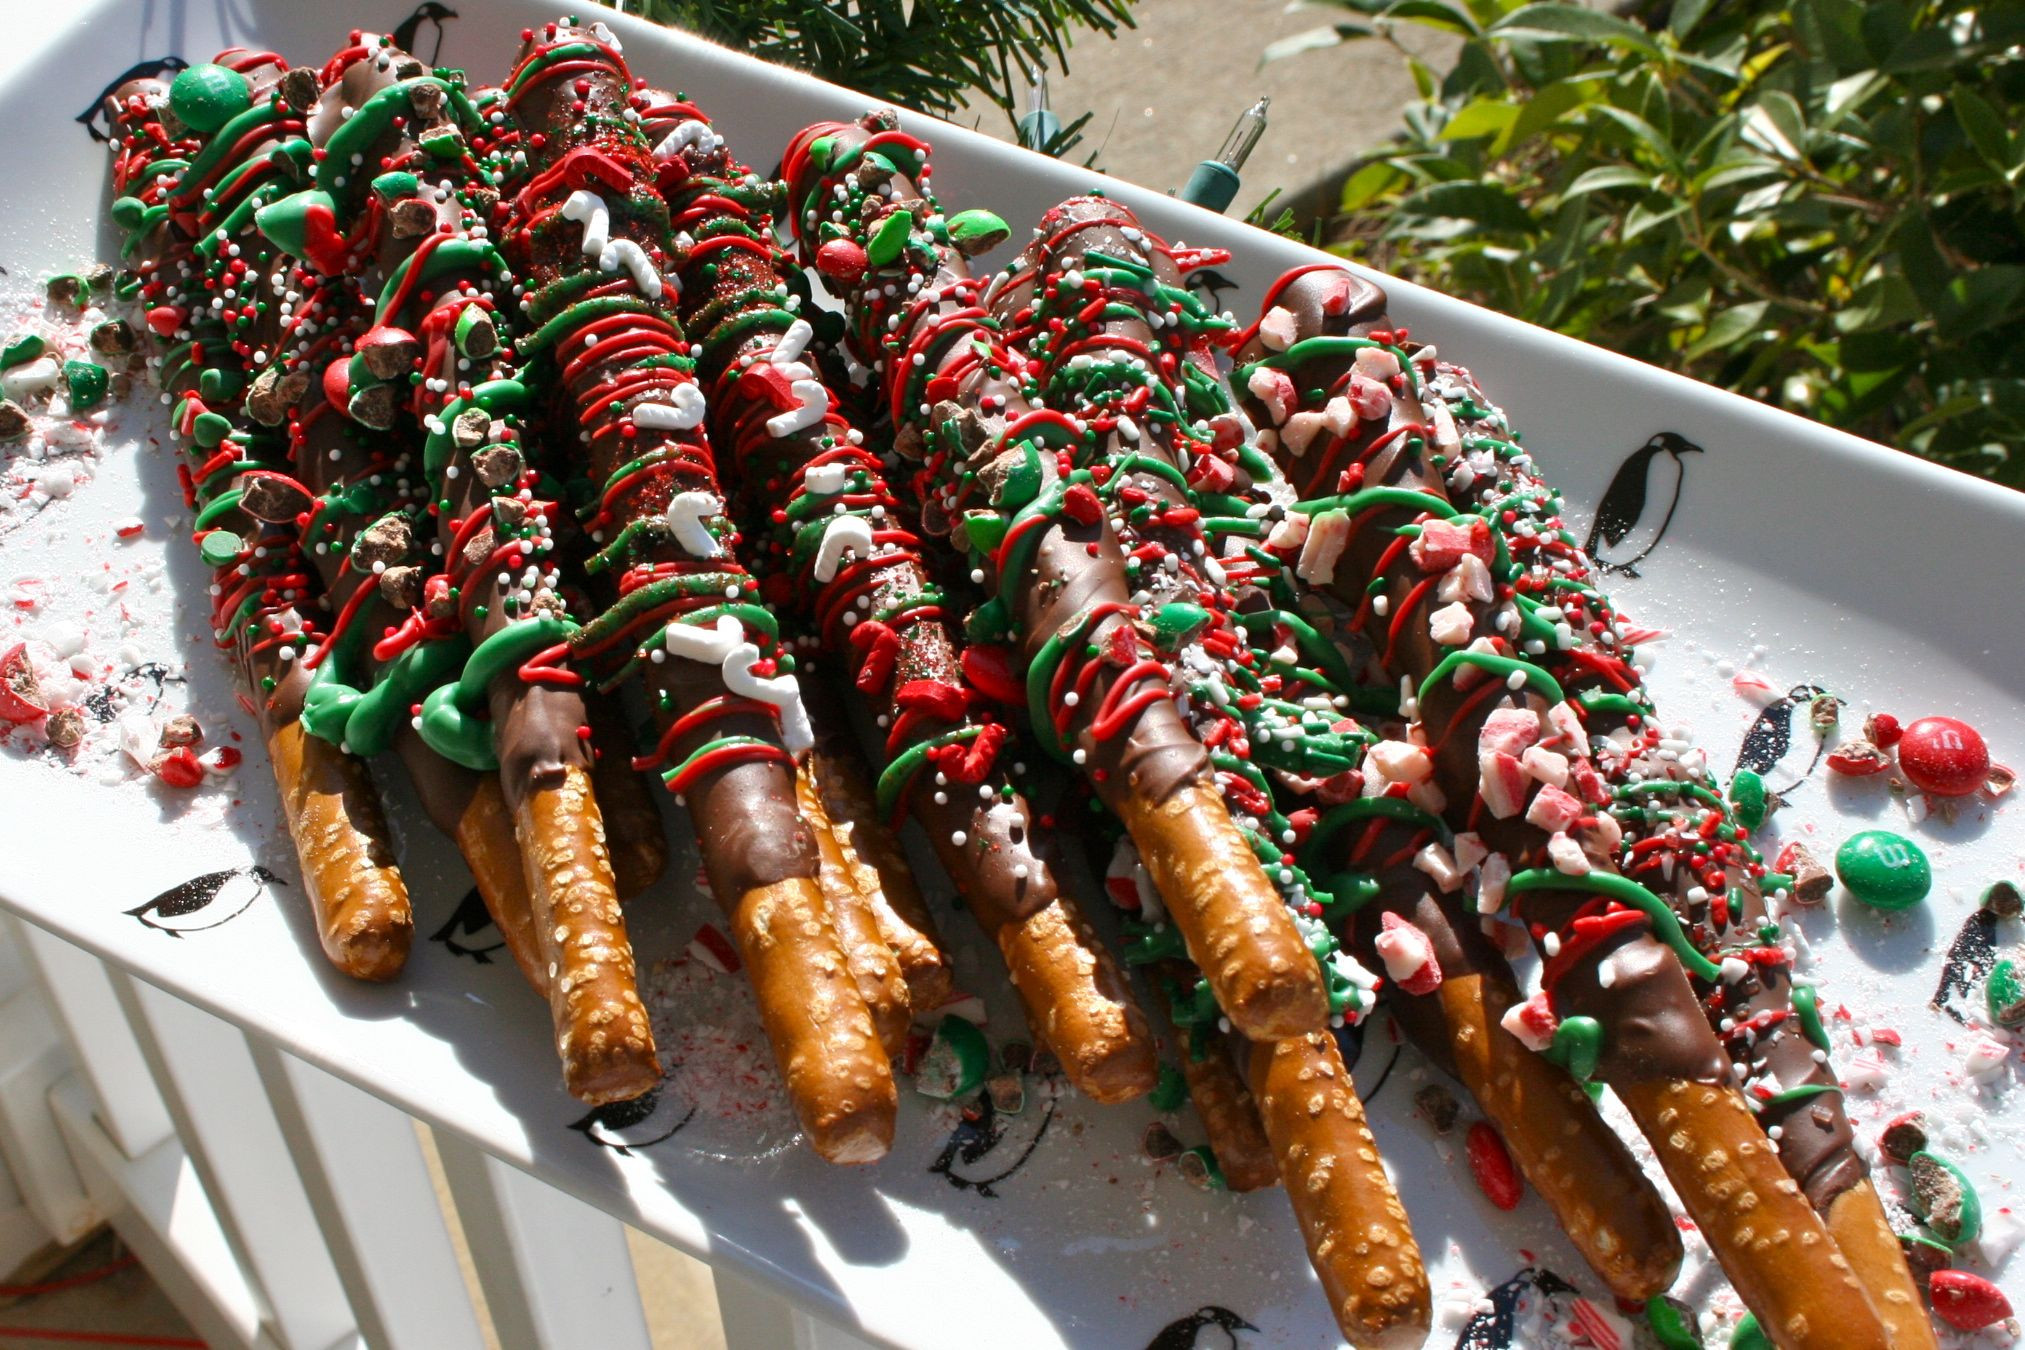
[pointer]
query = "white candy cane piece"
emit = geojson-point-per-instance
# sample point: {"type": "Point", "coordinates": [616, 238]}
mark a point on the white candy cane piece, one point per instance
{"type": "Point", "coordinates": [1440, 866]}
{"type": "Point", "coordinates": [724, 646]}
{"type": "Point", "coordinates": [1279, 328]}
{"type": "Point", "coordinates": [686, 133]}
{"type": "Point", "coordinates": [1327, 534]}
{"type": "Point", "coordinates": [815, 403]}
{"type": "Point", "coordinates": [1567, 856]}
{"type": "Point", "coordinates": [826, 480]}
{"type": "Point", "coordinates": [1451, 624]}
{"type": "Point", "coordinates": [1532, 1023]}
{"type": "Point", "coordinates": [686, 516]}
{"type": "Point", "coordinates": [629, 255]}
{"type": "Point", "coordinates": [1491, 880]}
{"type": "Point", "coordinates": [683, 411]}
{"type": "Point", "coordinates": [1408, 955]}
{"type": "Point", "coordinates": [793, 342]}
{"type": "Point", "coordinates": [781, 691]}
{"type": "Point", "coordinates": [588, 210]}
{"type": "Point", "coordinates": [843, 533]}
{"type": "Point", "coordinates": [693, 642]}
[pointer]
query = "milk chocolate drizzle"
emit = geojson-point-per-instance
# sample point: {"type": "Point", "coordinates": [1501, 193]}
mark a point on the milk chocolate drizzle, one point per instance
{"type": "Point", "coordinates": [1676, 837]}
{"type": "Point", "coordinates": [1653, 1025]}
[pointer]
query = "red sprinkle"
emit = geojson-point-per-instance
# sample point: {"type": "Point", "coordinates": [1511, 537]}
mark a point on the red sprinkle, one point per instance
{"type": "Point", "coordinates": [1492, 1166]}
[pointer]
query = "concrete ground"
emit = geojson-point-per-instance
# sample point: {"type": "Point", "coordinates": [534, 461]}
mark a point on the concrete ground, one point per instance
{"type": "Point", "coordinates": [1163, 96]}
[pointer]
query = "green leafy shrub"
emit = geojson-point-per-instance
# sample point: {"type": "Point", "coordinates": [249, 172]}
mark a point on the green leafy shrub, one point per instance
{"type": "Point", "coordinates": [1815, 203]}
{"type": "Point", "coordinates": [924, 54]}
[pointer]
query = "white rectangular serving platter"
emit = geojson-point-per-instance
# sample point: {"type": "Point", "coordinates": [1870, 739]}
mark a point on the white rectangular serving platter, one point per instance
{"type": "Point", "coordinates": [1800, 553]}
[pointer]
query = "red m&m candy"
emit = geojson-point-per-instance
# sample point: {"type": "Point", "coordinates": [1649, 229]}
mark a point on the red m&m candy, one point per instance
{"type": "Point", "coordinates": [1944, 756]}
{"type": "Point", "coordinates": [842, 261]}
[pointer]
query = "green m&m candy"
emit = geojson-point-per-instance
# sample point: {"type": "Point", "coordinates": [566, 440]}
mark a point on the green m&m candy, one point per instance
{"type": "Point", "coordinates": [1884, 870]}
{"type": "Point", "coordinates": [1748, 800]}
{"type": "Point", "coordinates": [1749, 1335]}
{"type": "Point", "coordinates": [219, 547]}
{"type": "Point", "coordinates": [889, 240]}
{"type": "Point", "coordinates": [2006, 994]}
{"type": "Point", "coordinates": [206, 97]}
{"type": "Point", "coordinates": [86, 381]}
{"type": "Point", "coordinates": [975, 232]}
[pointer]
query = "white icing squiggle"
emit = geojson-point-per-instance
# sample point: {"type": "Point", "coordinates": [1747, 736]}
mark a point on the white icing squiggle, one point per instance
{"type": "Point", "coordinates": [792, 343]}
{"type": "Point", "coordinates": [687, 133]}
{"type": "Point", "coordinates": [843, 532]}
{"type": "Point", "coordinates": [686, 516]}
{"type": "Point", "coordinates": [681, 413]}
{"type": "Point", "coordinates": [814, 406]}
{"type": "Point", "coordinates": [724, 645]}
{"type": "Point", "coordinates": [588, 209]}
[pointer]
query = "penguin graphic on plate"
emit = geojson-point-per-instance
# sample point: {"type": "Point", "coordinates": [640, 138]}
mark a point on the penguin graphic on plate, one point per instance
{"type": "Point", "coordinates": [1639, 505]}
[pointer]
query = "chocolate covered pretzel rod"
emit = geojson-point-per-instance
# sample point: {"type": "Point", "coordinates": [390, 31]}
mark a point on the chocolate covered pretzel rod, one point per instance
{"type": "Point", "coordinates": [1430, 587]}
{"type": "Point", "coordinates": [838, 555]}
{"type": "Point", "coordinates": [1682, 840]}
{"type": "Point", "coordinates": [263, 592]}
{"type": "Point", "coordinates": [873, 851]}
{"type": "Point", "coordinates": [1060, 593]}
{"type": "Point", "coordinates": [354, 498]}
{"type": "Point", "coordinates": [1098, 304]}
{"type": "Point", "coordinates": [1355, 1227]}
{"type": "Point", "coordinates": [491, 629]}
{"type": "Point", "coordinates": [1087, 304]}
{"type": "Point", "coordinates": [588, 229]}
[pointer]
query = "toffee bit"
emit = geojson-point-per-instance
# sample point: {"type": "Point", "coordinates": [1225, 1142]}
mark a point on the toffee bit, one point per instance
{"type": "Point", "coordinates": [1903, 1137]}
{"type": "Point", "coordinates": [497, 465]}
{"type": "Point", "coordinates": [14, 423]}
{"type": "Point", "coordinates": [382, 544]}
{"type": "Point", "coordinates": [114, 337]}
{"type": "Point", "coordinates": [1159, 1143]}
{"type": "Point", "coordinates": [401, 587]}
{"type": "Point", "coordinates": [1811, 881]}
{"type": "Point", "coordinates": [2003, 900]}
{"type": "Point", "coordinates": [1198, 1166]}
{"type": "Point", "coordinates": [182, 729]}
{"type": "Point", "coordinates": [65, 728]}
{"type": "Point", "coordinates": [1437, 1106]}
{"type": "Point", "coordinates": [66, 289]}
{"type": "Point", "coordinates": [1007, 1092]}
